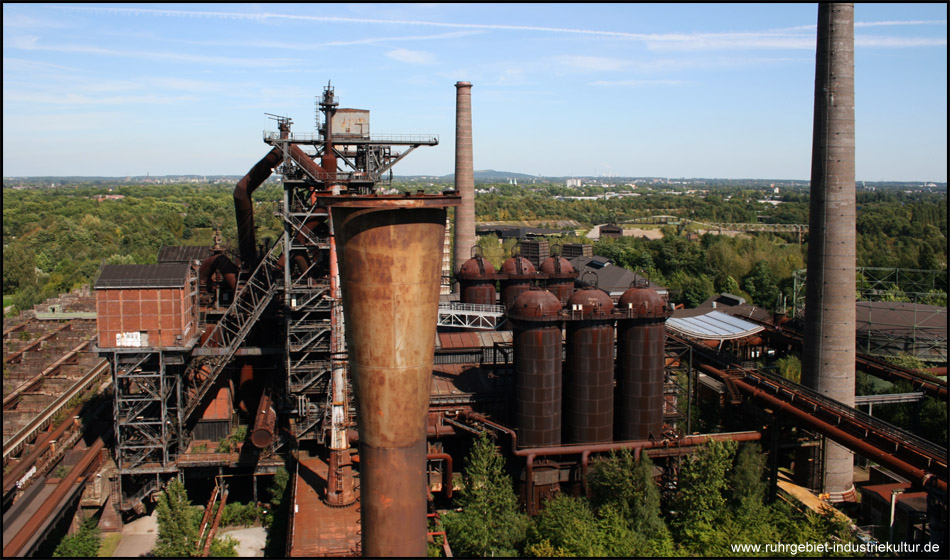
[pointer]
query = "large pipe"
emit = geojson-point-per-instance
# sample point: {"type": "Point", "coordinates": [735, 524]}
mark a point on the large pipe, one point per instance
{"type": "Point", "coordinates": [244, 210]}
{"type": "Point", "coordinates": [218, 263]}
{"type": "Point", "coordinates": [464, 175]}
{"type": "Point", "coordinates": [828, 354]}
{"type": "Point", "coordinates": [265, 423]}
{"type": "Point", "coordinates": [390, 255]}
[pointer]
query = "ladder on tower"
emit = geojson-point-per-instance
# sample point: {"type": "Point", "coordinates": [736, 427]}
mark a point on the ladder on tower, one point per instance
{"type": "Point", "coordinates": [229, 333]}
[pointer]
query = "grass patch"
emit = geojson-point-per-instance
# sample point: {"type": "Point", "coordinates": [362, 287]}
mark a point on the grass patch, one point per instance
{"type": "Point", "coordinates": [110, 542]}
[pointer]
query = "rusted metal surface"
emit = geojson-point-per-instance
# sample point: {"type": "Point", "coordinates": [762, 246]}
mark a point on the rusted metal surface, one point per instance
{"type": "Point", "coordinates": [828, 356]}
{"type": "Point", "coordinates": [390, 271]}
{"type": "Point", "coordinates": [89, 461]}
{"type": "Point", "coordinates": [537, 345]}
{"type": "Point", "coordinates": [518, 272]}
{"type": "Point", "coordinates": [640, 343]}
{"type": "Point", "coordinates": [561, 274]}
{"type": "Point", "coordinates": [316, 528]}
{"type": "Point", "coordinates": [464, 175]}
{"type": "Point", "coordinates": [265, 423]}
{"type": "Point", "coordinates": [589, 395]}
{"type": "Point", "coordinates": [477, 282]}
{"type": "Point", "coordinates": [244, 208]}
{"type": "Point", "coordinates": [217, 263]}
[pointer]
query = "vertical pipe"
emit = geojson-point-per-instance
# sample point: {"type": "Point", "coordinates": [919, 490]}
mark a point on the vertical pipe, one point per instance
{"type": "Point", "coordinates": [390, 257]}
{"type": "Point", "coordinates": [828, 354]}
{"type": "Point", "coordinates": [464, 175]}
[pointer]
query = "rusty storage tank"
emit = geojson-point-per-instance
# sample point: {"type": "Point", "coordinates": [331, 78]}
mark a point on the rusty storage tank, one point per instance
{"type": "Point", "coordinates": [535, 318]}
{"type": "Point", "coordinates": [561, 276]}
{"type": "Point", "coordinates": [589, 394]}
{"type": "Point", "coordinates": [640, 339]}
{"type": "Point", "coordinates": [477, 281]}
{"type": "Point", "coordinates": [390, 263]}
{"type": "Point", "coordinates": [518, 273]}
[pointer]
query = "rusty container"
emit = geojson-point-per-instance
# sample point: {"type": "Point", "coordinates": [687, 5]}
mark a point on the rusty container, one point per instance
{"type": "Point", "coordinates": [535, 317]}
{"type": "Point", "coordinates": [640, 341]}
{"type": "Point", "coordinates": [518, 272]}
{"type": "Point", "coordinates": [390, 259]}
{"type": "Point", "coordinates": [477, 282]}
{"type": "Point", "coordinates": [561, 275]}
{"type": "Point", "coordinates": [589, 391]}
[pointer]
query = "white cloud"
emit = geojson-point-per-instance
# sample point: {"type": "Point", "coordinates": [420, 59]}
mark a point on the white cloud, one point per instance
{"type": "Point", "coordinates": [411, 57]}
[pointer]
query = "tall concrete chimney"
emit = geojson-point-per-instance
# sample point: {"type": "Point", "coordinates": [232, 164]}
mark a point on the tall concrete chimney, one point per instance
{"type": "Point", "coordinates": [828, 354]}
{"type": "Point", "coordinates": [464, 176]}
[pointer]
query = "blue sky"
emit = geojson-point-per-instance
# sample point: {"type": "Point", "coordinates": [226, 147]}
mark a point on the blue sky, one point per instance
{"type": "Point", "coordinates": [672, 90]}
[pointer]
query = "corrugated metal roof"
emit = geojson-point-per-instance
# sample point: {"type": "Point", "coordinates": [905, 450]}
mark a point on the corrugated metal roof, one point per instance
{"type": "Point", "coordinates": [183, 253]}
{"type": "Point", "coordinates": [714, 325]}
{"type": "Point", "coordinates": [142, 276]}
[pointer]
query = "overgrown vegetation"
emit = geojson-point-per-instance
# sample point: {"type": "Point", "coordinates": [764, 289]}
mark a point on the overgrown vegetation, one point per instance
{"type": "Point", "coordinates": [721, 500]}
{"type": "Point", "coordinates": [178, 526]}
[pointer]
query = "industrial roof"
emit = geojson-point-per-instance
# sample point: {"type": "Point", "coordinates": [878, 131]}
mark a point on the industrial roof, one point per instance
{"type": "Point", "coordinates": [611, 278]}
{"type": "Point", "coordinates": [714, 325]}
{"type": "Point", "coordinates": [115, 276]}
{"type": "Point", "coordinates": [183, 253]}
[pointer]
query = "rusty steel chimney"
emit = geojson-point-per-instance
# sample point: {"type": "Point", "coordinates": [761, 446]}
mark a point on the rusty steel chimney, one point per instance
{"type": "Point", "coordinates": [464, 176]}
{"type": "Point", "coordinates": [390, 261]}
{"type": "Point", "coordinates": [828, 354]}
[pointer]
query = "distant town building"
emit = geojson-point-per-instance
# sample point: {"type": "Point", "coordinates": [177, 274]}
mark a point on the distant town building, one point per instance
{"type": "Point", "coordinates": [574, 183]}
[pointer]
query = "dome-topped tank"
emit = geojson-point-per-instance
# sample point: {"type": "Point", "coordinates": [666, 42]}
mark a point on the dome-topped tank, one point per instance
{"type": "Point", "coordinates": [537, 343]}
{"type": "Point", "coordinates": [640, 360]}
{"type": "Point", "coordinates": [477, 281]}
{"type": "Point", "coordinates": [560, 275]}
{"type": "Point", "coordinates": [518, 272]}
{"type": "Point", "coordinates": [589, 396]}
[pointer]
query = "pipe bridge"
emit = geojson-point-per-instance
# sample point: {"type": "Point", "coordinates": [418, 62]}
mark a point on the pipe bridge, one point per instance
{"type": "Point", "coordinates": [911, 456]}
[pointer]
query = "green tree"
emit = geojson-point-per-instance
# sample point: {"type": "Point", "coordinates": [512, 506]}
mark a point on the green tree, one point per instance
{"type": "Point", "coordinates": [177, 523]}
{"type": "Point", "coordinates": [489, 523]}
{"type": "Point", "coordinates": [569, 524]}
{"type": "Point", "coordinates": [761, 285]}
{"type": "Point", "coordinates": [700, 500]}
{"type": "Point", "coordinates": [84, 543]}
{"type": "Point", "coordinates": [625, 485]}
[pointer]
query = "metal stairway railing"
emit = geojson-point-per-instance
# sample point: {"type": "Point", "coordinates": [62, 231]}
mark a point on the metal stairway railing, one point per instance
{"type": "Point", "coordinates": [229, 333]}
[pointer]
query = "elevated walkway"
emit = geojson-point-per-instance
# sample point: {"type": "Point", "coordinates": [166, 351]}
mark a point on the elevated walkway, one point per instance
{"type": "Point", "coordinates": [470, 315]}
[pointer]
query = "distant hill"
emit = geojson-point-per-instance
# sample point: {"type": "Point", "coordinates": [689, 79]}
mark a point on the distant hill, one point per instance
{"type": "Point", "coordinates": [492, 175]}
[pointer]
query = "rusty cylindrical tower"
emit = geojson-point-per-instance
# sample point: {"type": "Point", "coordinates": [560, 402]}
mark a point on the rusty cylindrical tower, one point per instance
{"type": "Point", "coordinates": [464, 175]}
{"type": "Point", "coordinates": [477, 280]}
{"type": "Point", "coordinates": [561, 275]}
{"type": "Point", "coordinates": [518, 272]}
{"type": "Point", "coordinates": [537, 344]}
{"type": "Point", "coordinates": [390, 256]}
{"type": "Point", "coordinates": [589, 395]}
{"type": "Point", "coordinates": [828, 354]}
{"type": "Point", "coordinates": [640, 338]}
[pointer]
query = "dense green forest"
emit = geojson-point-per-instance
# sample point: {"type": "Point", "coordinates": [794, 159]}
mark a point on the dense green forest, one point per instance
{"type": "Point", "coordinates": [55, 239]}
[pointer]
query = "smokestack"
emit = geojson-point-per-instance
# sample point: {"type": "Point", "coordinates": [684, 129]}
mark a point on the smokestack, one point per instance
{"type": "Point", "coordinates": [390, 260]}
{"type": "Point", "coordinates": [464, 176]}
{"type": "Point", "coordinates": [828, 354]}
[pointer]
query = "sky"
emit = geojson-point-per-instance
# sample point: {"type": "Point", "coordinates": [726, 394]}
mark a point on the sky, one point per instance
{"type": "Point", "coordinates": [636, 90]}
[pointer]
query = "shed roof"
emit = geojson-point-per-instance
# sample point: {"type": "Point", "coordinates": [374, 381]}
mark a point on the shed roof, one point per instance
{"type": "Point", "coordinates": [714, 325]}
{"type": "Point", "coordinates": [118, 276]}
{"type": "Point", "coordinates": [183, 253]}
